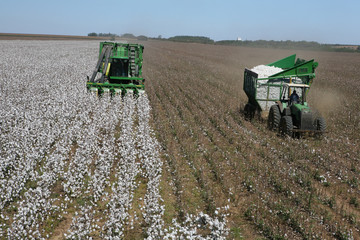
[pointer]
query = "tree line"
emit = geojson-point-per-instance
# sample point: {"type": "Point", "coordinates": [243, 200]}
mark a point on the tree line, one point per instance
{"type": "Point", "coordinates": [301, 45]}
{"type": "Point", "coordinates": [113, 35]}
{"type": "Point", "coordinates": [193, 39]}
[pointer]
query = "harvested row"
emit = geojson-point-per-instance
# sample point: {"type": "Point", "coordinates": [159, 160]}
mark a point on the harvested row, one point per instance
{"type": "Point", "coordinates": [282, 187]}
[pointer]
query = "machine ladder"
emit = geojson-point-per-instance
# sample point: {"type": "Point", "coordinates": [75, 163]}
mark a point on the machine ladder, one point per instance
{"type": "Point", "coordinates": [106, 52]}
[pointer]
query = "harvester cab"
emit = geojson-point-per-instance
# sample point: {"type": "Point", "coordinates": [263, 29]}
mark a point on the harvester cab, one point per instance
{"type": "Point", "coordinates": [118, 70]}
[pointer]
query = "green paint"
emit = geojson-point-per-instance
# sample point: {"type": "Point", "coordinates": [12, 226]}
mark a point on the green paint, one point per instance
{"type": "Point", "coordinates": [123, 72]}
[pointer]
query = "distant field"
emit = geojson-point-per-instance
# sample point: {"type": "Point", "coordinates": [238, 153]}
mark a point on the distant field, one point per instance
{"type": "Point", "coordinates": [20, 36]}
{"type": "Point", "coordinates": [353, 47]}
{"type": "Point", "coordinates": [220, 176]}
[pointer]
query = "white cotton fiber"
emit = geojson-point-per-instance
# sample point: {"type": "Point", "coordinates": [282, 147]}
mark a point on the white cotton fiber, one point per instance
{"type": "Point", "coordinates": [264, 71]}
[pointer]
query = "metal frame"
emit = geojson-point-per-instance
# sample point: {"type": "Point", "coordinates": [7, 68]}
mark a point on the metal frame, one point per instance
{"type": "Point", "coordinates": [132, 55]}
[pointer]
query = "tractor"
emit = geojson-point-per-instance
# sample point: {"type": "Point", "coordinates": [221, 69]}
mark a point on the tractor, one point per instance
{"type": "Point", "coordinates": [271, 94]}
{"type": "Point", "coordinates": [293, 117]}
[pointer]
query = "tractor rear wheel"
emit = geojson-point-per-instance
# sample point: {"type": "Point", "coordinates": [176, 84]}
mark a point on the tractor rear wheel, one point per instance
{"type": "Point", "coordinates": [274, 118]}
{"type": "Point", "coordinates": [286, 126]}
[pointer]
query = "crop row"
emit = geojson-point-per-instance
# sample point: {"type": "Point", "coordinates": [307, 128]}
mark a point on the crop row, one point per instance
{"type": "Point", "coordinates": [73, 165]}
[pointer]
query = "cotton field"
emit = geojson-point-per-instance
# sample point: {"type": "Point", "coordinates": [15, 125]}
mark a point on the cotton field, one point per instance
{"type": "Point", "coordinates": [71, 163]}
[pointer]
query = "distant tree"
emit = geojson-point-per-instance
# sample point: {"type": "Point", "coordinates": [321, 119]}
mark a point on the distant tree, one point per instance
{"type": "Point", "coordinates": [193, 39]}
{"type": "Point", "coordinates": [142, 38]}
{"type": "Point", "coordinates": [128, 35]}
{"type": "Point", "coordinates": [358, 49]}
{"type": "Point", "coordinates": [160, 37]}
{"type": "Point", "coordinates": [107, 35]}
{"type": "Point", "coordinates": [93, 34]}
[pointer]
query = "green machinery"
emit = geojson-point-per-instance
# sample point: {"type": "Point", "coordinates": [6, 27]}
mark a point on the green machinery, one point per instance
{"type": "Point", "coordinates": [118, 70]}
{"type": "Point", "coordinates": [272, 95]}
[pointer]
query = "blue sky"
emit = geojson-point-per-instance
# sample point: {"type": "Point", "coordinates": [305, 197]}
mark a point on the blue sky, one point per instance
{"type": "Point", "coordinates": [311, 20]}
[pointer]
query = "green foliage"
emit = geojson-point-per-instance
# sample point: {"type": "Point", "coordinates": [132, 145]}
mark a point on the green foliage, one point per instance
{"type": "Point", "coordinates": [354, 201]}
{"type": "Point", "coordinates": [128, 35]}
{"type": "Point", "coordinates": [353, 182]}
{"type": "Point", "coordinates": [236, 233]}
{"type": "Point", "coordinates": [142, 38]}
{"type": "Point", "coordinates": [94, 34]}
{"type": "Point", "coordinates": [193, 39]}
{"type": "Point", "coordinates": [107, 35]}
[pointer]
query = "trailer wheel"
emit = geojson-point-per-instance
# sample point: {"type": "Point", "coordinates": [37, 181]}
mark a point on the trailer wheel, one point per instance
{"type": "Point", "coordinates": [320, 125]}
{"type": "Point", "coordinates": [286, 126]}
{"type": "Point", "coordinates": [249, 112]}
{"type": "Point", "coordinates": [274, 118]}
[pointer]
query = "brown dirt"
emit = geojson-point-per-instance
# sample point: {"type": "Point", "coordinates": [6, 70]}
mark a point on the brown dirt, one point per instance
{"type": "Point", "coordinates": [62, 228]}
{"type": "Point", "coordinates": [196, 94]}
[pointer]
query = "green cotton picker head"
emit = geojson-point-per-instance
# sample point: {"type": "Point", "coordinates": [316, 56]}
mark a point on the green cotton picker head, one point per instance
{"type": "Point", "coordinates": [118, 70]}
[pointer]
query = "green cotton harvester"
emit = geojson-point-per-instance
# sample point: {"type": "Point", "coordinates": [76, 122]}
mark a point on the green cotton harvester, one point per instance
{"type": "Point", "coordinates": [118, 70]}
{"type": "Point", "coordinates": [282, 96]}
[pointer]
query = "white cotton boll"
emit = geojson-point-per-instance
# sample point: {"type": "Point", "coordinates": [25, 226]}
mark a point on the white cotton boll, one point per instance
{"type": "Point", "coordinates": [38, 108]}
{"type": "Point", "coordinates": [264, 71]}
{"type": "Point", "coordinates": [56, 127]}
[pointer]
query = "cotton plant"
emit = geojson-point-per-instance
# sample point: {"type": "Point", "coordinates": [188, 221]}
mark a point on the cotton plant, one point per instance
{"type": "Point", "coordinates": [35, 206]}
{"type": "Point", "coordinates": [83, 224]}
{"type": "Point", "coordinates": [39, 110]}
{"type": "Point", "coordinates": [106, 153]}
{"type": "Point", "coordinates": [148, 151]}
{"type": "Point", "coordinates": [216, 226]}
{"type": "Point", "coordinates": [126, 172]}
{"type": "Point", "coordinates": [54, 132]}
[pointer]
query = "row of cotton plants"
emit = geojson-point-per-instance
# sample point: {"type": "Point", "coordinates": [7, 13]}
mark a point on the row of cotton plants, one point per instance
{"type": "Point", "coordinates": [39, 111]}
{"type": "Point", "coordinates": [148, 148]}
{"type": "Point", "coordinates": [65, 152]}
{"type": "Point", "coordinates": [120, 199]}
{"type": "Point", "coordinates": [126, 171]}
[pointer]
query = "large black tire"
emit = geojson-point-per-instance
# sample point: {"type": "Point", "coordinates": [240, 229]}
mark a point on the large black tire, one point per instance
{"type": "Point", "coordinates": [320, 125]}
{"type": "Point", "coordinates": [249, 112]}
{"type": "Point", "coordinates": [286, 126]}
{"type": "Point", "coordinates": [274, 118]}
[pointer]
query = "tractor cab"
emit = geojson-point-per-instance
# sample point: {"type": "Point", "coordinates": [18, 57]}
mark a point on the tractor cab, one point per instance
{"type": "Point", "coordinates": [292, 89]}
{"type": "Point", "coordinates": [294, 101]}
